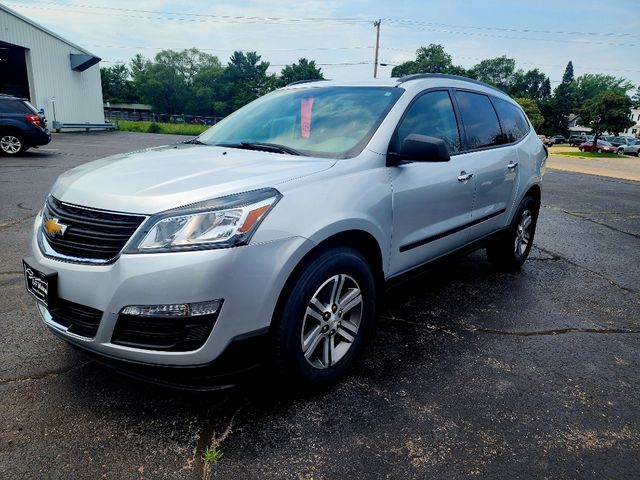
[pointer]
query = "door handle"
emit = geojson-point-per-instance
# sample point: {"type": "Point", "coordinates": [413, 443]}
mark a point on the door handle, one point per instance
{"type": "Point", "coordinates": [512, 165]}
{"type": "Point", "coordinates": [464, 176]}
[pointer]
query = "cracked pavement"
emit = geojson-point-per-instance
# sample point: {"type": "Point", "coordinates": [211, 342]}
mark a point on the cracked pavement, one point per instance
{"type": "Point", "coordinates": [468, 373]}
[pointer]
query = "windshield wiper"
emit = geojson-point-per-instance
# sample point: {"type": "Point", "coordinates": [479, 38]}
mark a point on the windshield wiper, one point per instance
{"type": "Point", "coordinates": [264, 146]}
{"type": "Point", "coordinates": [195, 141]}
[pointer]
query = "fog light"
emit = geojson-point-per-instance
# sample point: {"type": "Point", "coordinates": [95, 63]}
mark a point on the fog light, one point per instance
{"type": "Point", "coordinates": [174, 310]}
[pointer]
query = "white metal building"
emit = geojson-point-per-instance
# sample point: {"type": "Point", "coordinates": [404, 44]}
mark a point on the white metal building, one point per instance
{"type": "Point", "coordinates": [52, 72]}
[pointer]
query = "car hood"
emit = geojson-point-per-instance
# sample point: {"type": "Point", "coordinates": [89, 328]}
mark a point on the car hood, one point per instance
{"type": "Point", "coordinates": [157, 179]}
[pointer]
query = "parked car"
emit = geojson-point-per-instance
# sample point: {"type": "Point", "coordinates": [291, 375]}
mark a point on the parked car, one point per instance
{"type": "Point", "coordinates": [273, 233]}
{"type": "Point", "coordinates": [21, 126]}
{"type": "Point", "coordinates": [575, 140]}
{"type": "Point", "coordinates": [546, 141]}
{"type": "Point", "coordinates": [601, 145]}
{"type": "Point", "coordinates": [627, 146]}
{"type": "Point", "coordinates": [558, 139]}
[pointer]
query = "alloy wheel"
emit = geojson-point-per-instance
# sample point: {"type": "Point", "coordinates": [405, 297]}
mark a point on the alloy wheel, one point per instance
{"type": "Point", "coordinates": [523, 232]}
{"type": "Point", "coordinates": [10, 144]}
{"type": "Point", "coordinates": [331, 321]}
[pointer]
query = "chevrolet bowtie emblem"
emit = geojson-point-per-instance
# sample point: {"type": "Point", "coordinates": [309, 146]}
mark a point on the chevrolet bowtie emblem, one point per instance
{"type": "Point", "coordinates": [53, 227]}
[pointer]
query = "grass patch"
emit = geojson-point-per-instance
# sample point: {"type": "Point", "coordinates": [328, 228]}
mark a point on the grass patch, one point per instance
{"type": "Point", "coordinates": [211, 455]}
{"type": "Point", "coordinates": [586, 154]}
{"type": "Point", "coordinates": [154, 127]}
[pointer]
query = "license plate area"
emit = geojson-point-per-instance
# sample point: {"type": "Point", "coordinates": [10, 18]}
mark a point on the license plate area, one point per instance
{"type": "Point", "coordinates": [41, 283]}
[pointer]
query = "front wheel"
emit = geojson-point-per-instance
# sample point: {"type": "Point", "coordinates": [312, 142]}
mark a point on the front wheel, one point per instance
{"type": "Point", "coordinates": [511, 249]}
{"type": "Point", "coordinates": [325, 314]}
{"type": "Point", "coordinates": [11, 144]}
{"type": "Point", "coordinates": [620, 151]}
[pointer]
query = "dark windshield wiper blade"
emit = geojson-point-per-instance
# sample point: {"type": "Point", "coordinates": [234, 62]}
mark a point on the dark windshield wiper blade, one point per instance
{"type": "Point", "coordinates": [195, 141]}
{"type": "Point", "coordinates": [267, 147]}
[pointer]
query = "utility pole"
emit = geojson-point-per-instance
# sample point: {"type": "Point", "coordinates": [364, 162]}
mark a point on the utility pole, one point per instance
{"type": "Point", "coordinates": [375, 65]}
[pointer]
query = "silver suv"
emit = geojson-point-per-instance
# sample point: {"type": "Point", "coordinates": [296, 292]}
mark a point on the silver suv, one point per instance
{"type": "Point", "coordinates": [269, 238]}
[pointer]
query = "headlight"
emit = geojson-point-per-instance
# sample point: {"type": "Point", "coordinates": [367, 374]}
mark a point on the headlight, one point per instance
{"type": "Point", "coordinates": [219, 223]}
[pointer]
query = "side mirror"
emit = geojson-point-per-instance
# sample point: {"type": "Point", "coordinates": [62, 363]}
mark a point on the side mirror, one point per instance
{"type": "Point", "coordinates": [421, 148]}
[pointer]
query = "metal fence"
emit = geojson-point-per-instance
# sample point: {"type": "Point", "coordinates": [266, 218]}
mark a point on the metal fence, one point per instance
{"type": "Point", "coordinates": [113, 114]}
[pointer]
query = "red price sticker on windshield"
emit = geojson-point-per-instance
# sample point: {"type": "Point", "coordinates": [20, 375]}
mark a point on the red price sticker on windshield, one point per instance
{"type": "Point", "coordinates": [305, 117]}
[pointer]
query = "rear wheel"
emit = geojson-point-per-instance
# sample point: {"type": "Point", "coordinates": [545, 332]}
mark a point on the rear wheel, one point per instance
{"type": "Point", "coordinates": [620, 151]}
{"type": "Point", "coordinates": [11, 143]}
{"type": "Point", "coordinates": [511, 250]}
{"type": "Point", "coordinates": [581, 149]}
{"type": "Point", "coordinates": [325, 315]}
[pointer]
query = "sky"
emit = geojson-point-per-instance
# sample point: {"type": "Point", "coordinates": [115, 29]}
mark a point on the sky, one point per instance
{"type": "Point", "coordinates": [598, 36]}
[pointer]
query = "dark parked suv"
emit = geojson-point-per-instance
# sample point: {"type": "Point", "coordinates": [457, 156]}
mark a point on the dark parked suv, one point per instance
{"type": "Point", "coordinates": [21, 126]}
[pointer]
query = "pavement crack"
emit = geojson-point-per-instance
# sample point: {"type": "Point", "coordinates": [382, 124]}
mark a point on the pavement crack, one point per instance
{"type": "Point", "coordinates": [12, 273]}
{"type": "Point", "coordinates": [587, 269]}
{"type": "Point", "coordinates": [583, 216]}
{"type": "Point", "coordinates": [556, 331]}
{"type": "Point", "coordinates": [51, 374]}
{"type": "Point", "coordinates": [17, 221]}
{"type": "Point", "coordinates": [209, 439]}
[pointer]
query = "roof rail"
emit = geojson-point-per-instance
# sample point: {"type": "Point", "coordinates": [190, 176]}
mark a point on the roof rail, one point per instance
{"type": "Point", "coordinates": [418, 76]}
{"type": "Point", "coordinates": [298, 82]}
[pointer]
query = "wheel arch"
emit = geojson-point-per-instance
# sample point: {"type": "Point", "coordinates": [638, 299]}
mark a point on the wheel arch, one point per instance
{"type": "Point", "coordinates": [360, 240]}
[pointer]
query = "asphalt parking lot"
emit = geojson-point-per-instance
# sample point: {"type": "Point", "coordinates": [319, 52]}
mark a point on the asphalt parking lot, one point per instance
{"type": "Point", "coordinates": [469, 373]}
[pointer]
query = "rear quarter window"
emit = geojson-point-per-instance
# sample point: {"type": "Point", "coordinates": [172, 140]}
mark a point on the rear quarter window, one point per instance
{"type": "Point", "coordinates": [514, 124]}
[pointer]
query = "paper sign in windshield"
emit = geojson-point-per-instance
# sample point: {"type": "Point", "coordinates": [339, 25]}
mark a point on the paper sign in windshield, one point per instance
{"type": "Point", "coordinates": [305, 117]}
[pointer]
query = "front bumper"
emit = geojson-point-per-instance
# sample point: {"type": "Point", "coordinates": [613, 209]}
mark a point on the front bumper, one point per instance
{"type": "Point", "coordinates": [248, 278]}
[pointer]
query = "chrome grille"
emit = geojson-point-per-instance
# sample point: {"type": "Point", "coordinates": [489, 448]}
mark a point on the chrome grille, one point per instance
{"type": "Point", "coordinates": [89, 234]}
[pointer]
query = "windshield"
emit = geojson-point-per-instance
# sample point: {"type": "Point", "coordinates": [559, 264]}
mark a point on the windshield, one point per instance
{"type": "Point", "coordinates": [333, 122]}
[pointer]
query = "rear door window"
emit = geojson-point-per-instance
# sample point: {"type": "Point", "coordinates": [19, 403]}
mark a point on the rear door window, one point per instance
{"type": "Point", "coordinates": [431, 115]}
{"type": "Point", "coordinates": [514, 125]}
{"type": "Point", "coordinates": [479, 119]}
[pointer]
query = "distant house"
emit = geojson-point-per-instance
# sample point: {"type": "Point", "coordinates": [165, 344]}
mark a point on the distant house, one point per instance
{"type": "Point", "coordinates": [574, 126]}
{"type": "Point", "coordinates": [634, 129]}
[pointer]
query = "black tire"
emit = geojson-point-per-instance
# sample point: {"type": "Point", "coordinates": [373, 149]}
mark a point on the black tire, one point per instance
{"type": "Point", "coordinates": [504, 253]}
{"type": "Point", "coordinates": [581, 149]}
{"type": "Point", "coordinates": [291, 364]}
{"type": "Point", "coordinates": [12, 143]}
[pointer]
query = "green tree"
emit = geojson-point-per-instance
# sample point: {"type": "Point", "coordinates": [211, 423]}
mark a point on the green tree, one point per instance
{"type": "Point", "coordinates": [545, 89]}
{"type": "Point", "coordinates": [556, 112]}
{"type": "Point", "coordinates": [187, 63]}
{"type": "Point", "coordinates": [589, 85]}
{"type": "Point", "coordinates": [117, 86]}
{"type": "Point", "coordinates": [205, 85]}
{"type": "Point", "coordinates": [303, 70]}
{"type": "Point", "coordinates": [527, 84]}
{"type": "Point", "coordinates": [608, 112]}
{"type": "Point", "coordinates": [429, 59]}
{"type": "Point", "coordinates": [497, 71]}
{"type": "Point", "coordinates": [567, 77]}
{"type": "Point", "coordinates": [244, 79]}
{"type": "Point", "coordinates": [530, 107]}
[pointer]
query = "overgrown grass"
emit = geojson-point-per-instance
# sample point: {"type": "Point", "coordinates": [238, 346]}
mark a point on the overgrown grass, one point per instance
{"type": "Point", "coordinates": [587, 154]}
{"type": "Point", "coordinates": [154, 127]}
{"type": "Point", "coordinates": [211, 455]}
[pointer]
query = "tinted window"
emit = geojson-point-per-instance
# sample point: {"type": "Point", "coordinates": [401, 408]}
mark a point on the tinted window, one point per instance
{"type": "Point", "coordinates": [479, 119]}
{"type": "Point", "coordinates": [13, 106]}
{"type": "Point", "coordinates": [432, 115]}
{"type": "Point", "coordinates": [514, 125]}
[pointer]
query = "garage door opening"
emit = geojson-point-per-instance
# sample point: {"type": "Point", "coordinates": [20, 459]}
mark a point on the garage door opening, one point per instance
{"type": "Point", "coordinates": [13, 66]}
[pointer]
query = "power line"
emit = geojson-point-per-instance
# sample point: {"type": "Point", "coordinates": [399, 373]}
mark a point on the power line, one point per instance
{"type": "Point", "coordinates": [399, 22]}
{"type": "Point", "coordinates": [488, 35]}
{"type": "Point", "coordinates": [505, 29]}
